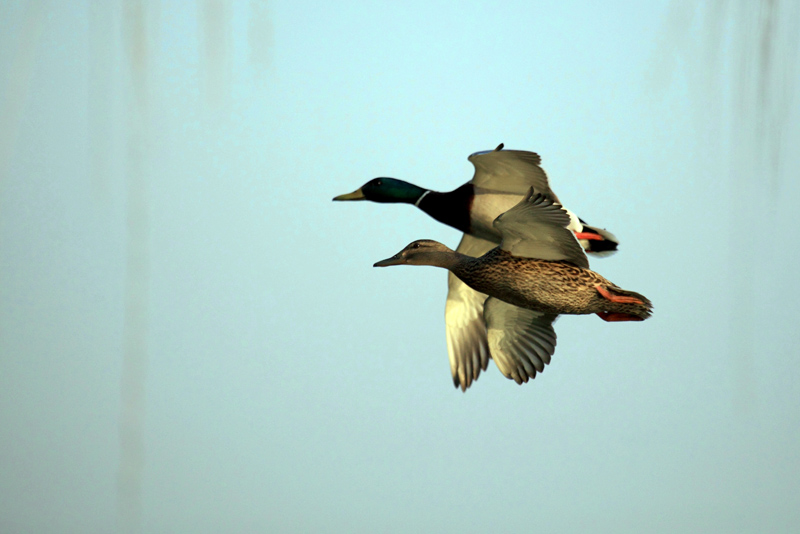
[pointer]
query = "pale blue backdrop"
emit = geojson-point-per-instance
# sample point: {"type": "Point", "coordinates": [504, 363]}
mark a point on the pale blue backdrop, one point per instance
{"type": "Point", "coordinates": [193, 338]}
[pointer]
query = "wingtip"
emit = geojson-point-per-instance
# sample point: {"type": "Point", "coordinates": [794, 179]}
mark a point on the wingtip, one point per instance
{"type": "Point", "coordinates": [459, 385]}
{"type": "Point", "coordinates": [484, 152]}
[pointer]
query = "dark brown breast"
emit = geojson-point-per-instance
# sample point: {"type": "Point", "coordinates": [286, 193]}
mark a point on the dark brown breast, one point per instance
{"type": "Point", "coordinates": [451, 208]}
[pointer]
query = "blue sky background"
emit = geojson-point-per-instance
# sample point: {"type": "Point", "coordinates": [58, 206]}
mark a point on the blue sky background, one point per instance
{"type": "Point", "coordinates": [290, 387]}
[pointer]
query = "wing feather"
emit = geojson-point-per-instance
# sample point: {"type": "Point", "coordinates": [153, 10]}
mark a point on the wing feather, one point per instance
{"type": "Point", "coordinates": [537, 228]}
{"type": "Point", "coordinates": [510, 171]}
{"type": "Point", "coordinates": [466, 330]}
{"type": "Point", "coordinates": [521, 341]}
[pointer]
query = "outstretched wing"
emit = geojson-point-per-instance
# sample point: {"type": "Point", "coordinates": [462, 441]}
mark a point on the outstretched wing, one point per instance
{"type": "Point", "coordinates": [537, 228]}
{"type": "Point", "coordinates": [521, 341]}
{"type": "Point", "coordinates": [510, 171]}
{"type": "Point", "coordinates": [466, 330]}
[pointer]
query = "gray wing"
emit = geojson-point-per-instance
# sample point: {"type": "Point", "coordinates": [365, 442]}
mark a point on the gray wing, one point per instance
{"type": "Point", "coordinates": [537, 228]}
{"type": "Point", "coordinates": [521, 341]}
{"type": "Point", "coordinates": [510, 171]}
{"type": "Point", "coordinates": [466, 330]}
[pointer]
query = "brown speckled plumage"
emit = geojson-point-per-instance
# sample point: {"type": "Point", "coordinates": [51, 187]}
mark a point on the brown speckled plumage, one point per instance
{"type": "Point", "coordinates": [512, 294]}
{"type": "Point", "coordinates": [556, 287]}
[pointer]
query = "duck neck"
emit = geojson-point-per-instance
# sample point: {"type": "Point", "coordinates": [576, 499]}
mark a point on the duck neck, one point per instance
{"type": "Point", "coordinates": [450, 208]}
{"type": "Point", "coordinates": [450, 260]}
{"type": "Point", "coordinates": [405, 193]}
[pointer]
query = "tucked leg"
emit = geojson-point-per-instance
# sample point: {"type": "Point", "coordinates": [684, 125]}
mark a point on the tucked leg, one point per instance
{"type": "Point", "coordinates": [587, 235]}
{"type": "Point", "coordinates": [614, 317]}
{"type": "Point", "coordinates": [616, 298]}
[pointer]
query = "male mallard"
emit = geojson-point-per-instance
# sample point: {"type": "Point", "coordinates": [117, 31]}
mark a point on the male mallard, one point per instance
{"type": "Point", "coordinates": [502, 177]}
{"type": "Point", "coordinates": [538, 272]}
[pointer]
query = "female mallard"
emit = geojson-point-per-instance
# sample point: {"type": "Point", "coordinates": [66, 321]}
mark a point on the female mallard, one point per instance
{"type": "Point", "coordinates": [538, 272]}
{"type": "Point", "coordinates": [502, 177]}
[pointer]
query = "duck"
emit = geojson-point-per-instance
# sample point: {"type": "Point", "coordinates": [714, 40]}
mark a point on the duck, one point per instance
{"type": "Point", "coordinates": [502, 178]}
{"type": "Point", "coordinates": [538, 272]}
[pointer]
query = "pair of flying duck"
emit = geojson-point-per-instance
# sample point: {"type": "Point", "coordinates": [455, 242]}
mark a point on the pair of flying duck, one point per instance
{"type": "Point", "coordinates": [502, 300]}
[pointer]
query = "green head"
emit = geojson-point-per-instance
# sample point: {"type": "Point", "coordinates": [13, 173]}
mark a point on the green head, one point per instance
{"type": "Point", "coordinates": [387, 190]}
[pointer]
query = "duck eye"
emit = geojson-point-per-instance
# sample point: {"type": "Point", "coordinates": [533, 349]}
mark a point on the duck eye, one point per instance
{"type": "Point", "coordinates": [378, 182]}
{"type": "Point", "coordinates": [415, 245]}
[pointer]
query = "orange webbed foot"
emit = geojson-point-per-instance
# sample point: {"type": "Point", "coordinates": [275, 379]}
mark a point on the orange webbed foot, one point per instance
{"type": "Point", "coordinates": [614, 317]}
{"type": "Point", "coordinates": [617, 298]}
{"type": "Point", "coordinates": [587, 235]}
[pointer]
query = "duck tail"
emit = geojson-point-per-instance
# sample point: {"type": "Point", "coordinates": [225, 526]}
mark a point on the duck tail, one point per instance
{"type": "Point", "coordinates": [597, 241]}
{"type": "Point", "coordinates": [624, 305]}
